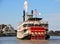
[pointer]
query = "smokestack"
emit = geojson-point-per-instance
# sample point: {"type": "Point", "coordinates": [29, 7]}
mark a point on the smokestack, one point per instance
{"type": "Point", "coordinates": [32, 12]}
{"type": "Point", "coordinates": [23, 15]}
{"type": "Point", "coordinates": [26, 6]}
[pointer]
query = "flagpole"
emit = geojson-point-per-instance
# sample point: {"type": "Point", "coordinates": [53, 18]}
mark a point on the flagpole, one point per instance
{"type": "Point", "coordinates": [35, 13]}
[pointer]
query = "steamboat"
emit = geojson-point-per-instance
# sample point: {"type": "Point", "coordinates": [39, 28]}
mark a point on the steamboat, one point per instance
{"type": "Point", "coordinates": [32, 28]}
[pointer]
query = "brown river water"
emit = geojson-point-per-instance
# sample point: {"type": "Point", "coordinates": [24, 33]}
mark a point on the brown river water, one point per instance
{"type": "Point", "coordinates": [14, 40]}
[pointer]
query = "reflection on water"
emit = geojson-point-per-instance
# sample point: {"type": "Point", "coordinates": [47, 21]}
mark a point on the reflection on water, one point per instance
{"type": "Point", "coordinates": [14, 40]}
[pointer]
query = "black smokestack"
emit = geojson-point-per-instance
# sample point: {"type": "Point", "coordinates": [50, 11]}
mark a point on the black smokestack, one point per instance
{"type": "Point", "coordinates": [23, 15]}
{"type": "Point", "coordinates": [32, 12]}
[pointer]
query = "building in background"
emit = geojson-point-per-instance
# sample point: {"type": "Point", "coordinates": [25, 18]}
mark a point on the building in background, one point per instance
{"type": "Point", "coordinates": [7, 30]}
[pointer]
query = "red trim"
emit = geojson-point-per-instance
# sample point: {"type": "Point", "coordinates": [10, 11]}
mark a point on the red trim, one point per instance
{"type": "Point", "coordinates": [36, 30]}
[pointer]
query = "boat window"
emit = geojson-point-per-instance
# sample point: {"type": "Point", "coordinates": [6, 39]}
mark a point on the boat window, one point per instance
{"type": "Point", "coordinates": [39, 24]}
{"type": "Point", "coordinates": [25, 30]}
{"type": "Point", "coordinates": [46, 24]}
{"type": "Point", "coordinates": [36, 24]}
{"type": "Point", "coordinates": [24, 25]}
{"type": "Point", "coordinates": [30, 25]}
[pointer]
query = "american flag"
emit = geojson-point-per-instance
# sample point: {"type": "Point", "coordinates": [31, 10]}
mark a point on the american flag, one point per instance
{"type": "Point", "coordinates": [35, 12]}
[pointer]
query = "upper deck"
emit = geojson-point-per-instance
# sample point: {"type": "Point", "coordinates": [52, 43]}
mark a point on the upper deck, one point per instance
{"type": "Point", "coordinates": [34, 19]}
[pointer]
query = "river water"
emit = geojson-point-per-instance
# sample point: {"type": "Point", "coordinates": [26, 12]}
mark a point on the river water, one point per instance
{"type": "Point", "coordinates": [14, 40]}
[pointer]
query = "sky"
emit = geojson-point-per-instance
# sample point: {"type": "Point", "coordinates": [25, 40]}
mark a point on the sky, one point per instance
{"type": "Point", "coordinates": [11, 11]}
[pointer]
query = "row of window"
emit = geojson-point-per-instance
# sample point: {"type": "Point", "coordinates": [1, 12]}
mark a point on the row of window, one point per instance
{"type": "Point", "coordinates": [28, 25]}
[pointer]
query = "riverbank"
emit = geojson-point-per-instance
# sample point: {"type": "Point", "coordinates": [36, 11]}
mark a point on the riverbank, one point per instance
{"type": "Point", "coordinates": [8, 34]}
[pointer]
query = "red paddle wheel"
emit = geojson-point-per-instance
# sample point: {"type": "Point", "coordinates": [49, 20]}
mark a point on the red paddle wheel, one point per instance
{"type": "Point", "coordinates": [38, 32]}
